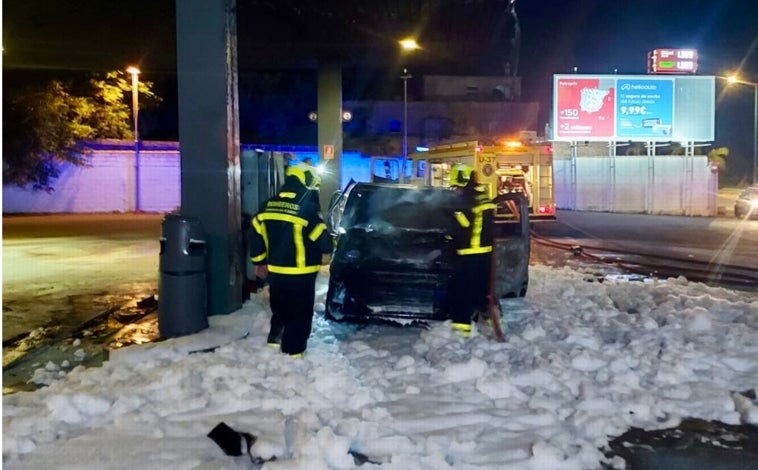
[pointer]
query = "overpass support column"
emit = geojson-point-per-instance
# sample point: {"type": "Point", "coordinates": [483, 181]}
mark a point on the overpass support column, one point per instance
{"type": "Point", "coordinates": [209, 140]}
{"type": "Point", "coordinates": [330, 127]}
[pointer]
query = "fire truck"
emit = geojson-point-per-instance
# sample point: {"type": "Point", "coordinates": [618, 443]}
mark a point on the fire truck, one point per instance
{"type": "Point", "coordinates": [508, 167]}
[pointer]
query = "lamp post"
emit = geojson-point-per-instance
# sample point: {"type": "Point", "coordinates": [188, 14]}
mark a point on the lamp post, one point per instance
{"type": "Point", "coordinates": [405, 77]}
{"type": "Point", "coordinates": [134, 71]}
{"type": "Point", "coordinates": [407, 44]}
{"type": "Point", "coordinates": [734, 79]}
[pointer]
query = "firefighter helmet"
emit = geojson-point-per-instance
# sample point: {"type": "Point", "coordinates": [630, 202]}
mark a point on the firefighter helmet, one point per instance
{"type": "Point", "coordinates": [298, 171]}
{"type": "Point", "coordinates": [305, 174]}
{"type": "Point", "coordinates": [460, 174]}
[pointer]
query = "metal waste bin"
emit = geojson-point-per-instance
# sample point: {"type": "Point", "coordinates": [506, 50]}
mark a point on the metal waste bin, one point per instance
{"type": "Point", "coordinates": [182, 291]}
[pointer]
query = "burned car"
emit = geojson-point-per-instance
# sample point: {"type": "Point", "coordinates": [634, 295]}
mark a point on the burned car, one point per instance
{"type": "Point", "coordinates": [394, 256]}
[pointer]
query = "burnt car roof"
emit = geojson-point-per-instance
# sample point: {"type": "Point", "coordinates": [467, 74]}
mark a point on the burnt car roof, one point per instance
{"type": "Point", "coordinates": [392, 206]}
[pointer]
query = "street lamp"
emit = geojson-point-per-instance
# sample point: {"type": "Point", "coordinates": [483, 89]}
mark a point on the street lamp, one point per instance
{"type": "Point", "coordinates": [734, 79]}
{"type": "Point", "coordinates": [405, 77]}
{"type": "Point", "coordinates": [407, 44]}
{"type": "Point", "coordinates": [134, 71]}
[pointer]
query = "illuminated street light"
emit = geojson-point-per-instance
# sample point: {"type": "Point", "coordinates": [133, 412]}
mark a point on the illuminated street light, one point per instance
{"type": "Point", "coordinates": [134, 71]}
{"type": "Point", "coordinates": [409, 44]}
{"type": "Point", "coordinates": [734, 79]}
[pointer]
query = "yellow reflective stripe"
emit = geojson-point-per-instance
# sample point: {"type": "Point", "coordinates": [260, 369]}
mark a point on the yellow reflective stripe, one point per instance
{"type": "Point", "coordinates": [261, 229]}
{"type": "Point", "coordinates": [283, 218]}
{"type": "Point", "coordinates": [474, 251]}
{"type": "Point", "coordinates": [476, 232]}
{"type": "Point", "coordinates": [258, 258]}
{"type": "Point", "coordinates": [466, 327]}
{"type": "Point", "coordinates": [288, 195]}
{"type": "Point", "coordinates": [461, 218]}
{"type": "Point", "coordinates": [484, 207]}
{"type": "Point", "coordinates": [317, 231]}
{"type": "Point", "coordinates": [297, 238]}
{"type": "Point", "coordinates": [291, 270]}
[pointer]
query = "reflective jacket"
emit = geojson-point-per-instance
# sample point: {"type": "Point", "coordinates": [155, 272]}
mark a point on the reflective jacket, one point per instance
{"type": "Point", "coordinates": [475, 223]}
{"type": "Point", "coordinates": [289, 234]}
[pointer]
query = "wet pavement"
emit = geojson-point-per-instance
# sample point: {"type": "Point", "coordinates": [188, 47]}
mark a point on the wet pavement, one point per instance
{"type": "Point", "coordinates": [33, 359]}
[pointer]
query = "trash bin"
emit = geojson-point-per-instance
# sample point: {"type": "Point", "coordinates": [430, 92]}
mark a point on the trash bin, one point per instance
{"type": "Point", "coordinates": [182, 291]}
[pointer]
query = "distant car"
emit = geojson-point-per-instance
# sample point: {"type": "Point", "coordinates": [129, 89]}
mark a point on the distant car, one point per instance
{"type": "Point", "coordinates": [746, 205]}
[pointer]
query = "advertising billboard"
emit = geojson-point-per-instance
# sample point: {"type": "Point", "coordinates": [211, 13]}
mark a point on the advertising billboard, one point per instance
{"type": "Point", "coordinates": [633, 107]}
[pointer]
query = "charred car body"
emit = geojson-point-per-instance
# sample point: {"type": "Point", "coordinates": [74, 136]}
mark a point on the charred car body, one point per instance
{"type": "Point", "coordinates": [394, 256]}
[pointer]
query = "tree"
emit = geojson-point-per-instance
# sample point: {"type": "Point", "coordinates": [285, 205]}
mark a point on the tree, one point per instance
{"type": "Point", "coordinates": [45, 127]}
{"type": "Point", "coordinates": [718, 156]}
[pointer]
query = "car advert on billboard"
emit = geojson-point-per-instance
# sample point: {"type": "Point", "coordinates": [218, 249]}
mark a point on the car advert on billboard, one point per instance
{"type": "Point", "coordinates": [633, 108]}
{"type": "Point", "coordinates": [644, 108]}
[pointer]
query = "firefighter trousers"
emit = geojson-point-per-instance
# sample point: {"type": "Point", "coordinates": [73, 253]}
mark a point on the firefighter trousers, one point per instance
{"type": "Point", "coordinates": [291, 299]}
{"type": "Point", "coordinates": [469, 286]}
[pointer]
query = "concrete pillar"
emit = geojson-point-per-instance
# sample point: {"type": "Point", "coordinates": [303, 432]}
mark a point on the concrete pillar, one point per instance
{"type": "Point", "coordinates": [209, 140]}
{"type": "Point", "coordinates": [329, 127]}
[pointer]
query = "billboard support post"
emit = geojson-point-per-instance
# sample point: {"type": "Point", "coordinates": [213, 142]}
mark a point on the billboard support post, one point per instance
{"type": "Point", "coordinates": [612, 176]}
{"type": "Point", "coordinates": [572, 176]}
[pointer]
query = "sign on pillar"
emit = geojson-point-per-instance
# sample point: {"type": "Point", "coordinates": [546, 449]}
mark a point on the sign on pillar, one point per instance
{"type": "Point", "coordinates": [328, 152]}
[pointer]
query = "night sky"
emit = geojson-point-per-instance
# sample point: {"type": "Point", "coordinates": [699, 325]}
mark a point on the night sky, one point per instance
{"type": "Point", "coordinates": [596, 36]}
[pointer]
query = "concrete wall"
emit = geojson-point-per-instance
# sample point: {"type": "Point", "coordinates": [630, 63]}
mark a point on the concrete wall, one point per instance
{"type": "Point", "coordinates": [472, 88]}
{"type": "Point", "coordinates": [462, 119]}
{"type": "Point", "coordinates": [664, 184]}
{"type": "Point", "coordinates": [107, 183]}
{"type": "Point", "coordinates": [671, 185]}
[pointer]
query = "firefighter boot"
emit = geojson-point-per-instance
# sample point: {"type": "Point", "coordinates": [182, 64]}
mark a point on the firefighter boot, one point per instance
{"type": "Point", "coordinates": [462, 329]}
{"type": "Point", "coordinates": [274, 339]}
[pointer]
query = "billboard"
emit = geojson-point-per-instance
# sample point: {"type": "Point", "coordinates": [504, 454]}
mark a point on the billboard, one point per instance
{"type": "Point", "coordinates": [633, 107]}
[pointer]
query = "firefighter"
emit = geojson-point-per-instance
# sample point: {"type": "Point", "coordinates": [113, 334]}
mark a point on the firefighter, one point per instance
{"type": "Point", "coordinates": [287, 242]}
{"type": "Point", "coordinates": [473, 239]}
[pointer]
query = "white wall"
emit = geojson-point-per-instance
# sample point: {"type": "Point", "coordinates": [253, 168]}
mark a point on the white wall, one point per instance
{"type": "Point", "coordinates": [106, 184]}
{"type": "Point", "coordinates": [663, 184]}
{"type": "Point", "coordinates": [671, 185]}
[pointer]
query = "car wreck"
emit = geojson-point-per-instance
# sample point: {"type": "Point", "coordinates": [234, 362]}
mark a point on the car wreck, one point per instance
{"type": "Point", "coordinates": [394, 256]}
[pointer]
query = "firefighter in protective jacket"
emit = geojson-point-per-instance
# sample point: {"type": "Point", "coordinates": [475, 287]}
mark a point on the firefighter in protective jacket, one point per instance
{"type": "Point", "coordinates": [288, 238]}
{"type": "Point", "coordinates": [473, 240]}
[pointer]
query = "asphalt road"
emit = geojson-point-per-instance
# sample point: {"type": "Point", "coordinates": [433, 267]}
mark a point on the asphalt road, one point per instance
{"type": "Point", "coordinates": [719, 240]}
